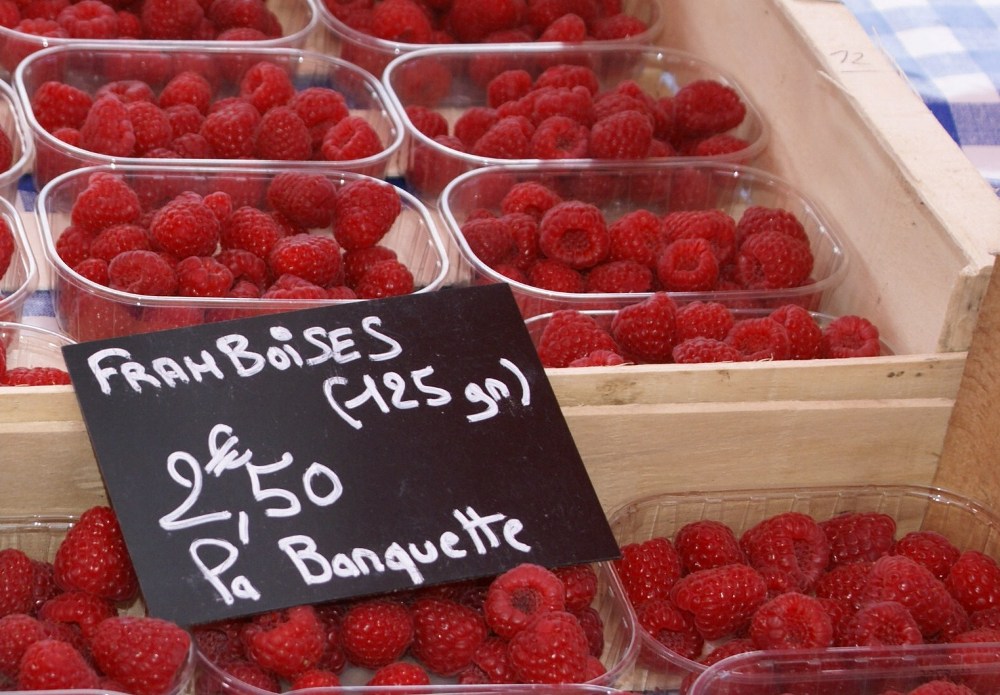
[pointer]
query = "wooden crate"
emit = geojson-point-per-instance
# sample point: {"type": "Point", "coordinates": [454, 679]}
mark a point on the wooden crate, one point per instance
{"type": "Point", "coordinates": [922, 223]}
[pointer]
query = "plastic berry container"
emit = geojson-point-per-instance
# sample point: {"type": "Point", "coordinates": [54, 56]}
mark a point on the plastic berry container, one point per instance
{"type": "Point", "coordinates": [966, 523]}
{"type": "Point", "coordinates": [14, 126]}
{"type": "Point", "coordinates": [618, 189]}
{"type": "Point", "coordinates": [90, 67]}
{"type": "Point", "coordinates": [374, 54]}
{"type": "Point", "coordinates": [452, 80]}
{"type": "Point", "coordinates": [298, 20]}
{"type": "Point", "coordinates": [620, 649]}
{"type": "Point", "coordinates": [21, 278]}
{"type": "Point", "coordinates": [86, 310]}
{"type": "Point", "coordinates": [855, 671]}
{"type": "Point", "coordinates": [39, 536]}
{"type": "Point", "coordinates": [27, 345]}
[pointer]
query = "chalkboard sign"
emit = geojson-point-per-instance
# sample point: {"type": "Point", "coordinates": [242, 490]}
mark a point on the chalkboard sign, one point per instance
{"type": "Point", "coordinates": [342, 451]}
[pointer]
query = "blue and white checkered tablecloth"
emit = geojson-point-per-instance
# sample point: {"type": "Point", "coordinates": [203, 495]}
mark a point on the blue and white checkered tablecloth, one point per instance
{"type": "Point", "coordinates": [949, 50]}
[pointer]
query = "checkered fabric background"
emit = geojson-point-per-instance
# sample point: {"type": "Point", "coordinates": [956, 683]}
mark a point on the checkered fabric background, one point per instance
{"type": "Point", "coordinates": [949, 50]}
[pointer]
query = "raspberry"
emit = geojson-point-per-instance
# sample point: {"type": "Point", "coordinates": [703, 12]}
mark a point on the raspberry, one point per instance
{"type": "Point", "coordinates": [17, 632]}
{"type": "Point", "coordinates": [645, 331]}
{"type": "Point", "coordinates": [758, 218]}
{"type": "Point", "coordinates": [146, 655]}
{"type": "Point", "coordinates": [170, 19]}
{"type": "Point", "coordinates": [772, 260]}
{"type": "Point", "coordinates": [472, 21]}
{"type": "Point", "coordinates": [722, 600]}
{"type": "Point", "coordinates": [489, 664]}
{"type": "Point", "coordinates": [715, 226]}
{"type": "Point", "coordinates": [793, 543]}
{"type": "Point", "coordinates": [315, 678]}
{"type": "Point", "coordinates": [59, 105]}
{"type": "Point", "coordinates": [529, 197]}
{"type": "Point", "coordinates": [35, 376]}
{"type": "Point", "coordinates": [508, 138]}
{"type": "Point", "coordinates": [312, 257]}
{"type": "Point", "coordinates": [555, 276]}
{"type": "Point", "coordinates": [403, 21]}
{"type": "Point", "coordinates": [845, 583]}
{"type": "Point", "coordinates": [804, 334]}
{"type": "Point", "coordinates": [850, 336]}
{"type": "Point", "coordinates": [427, 121]}
{"type": "Point", "coordinates": [285, 642]}
{"type": "Point", "coordinates": [376, 632]}
{"type": "Point", "coordinates": [186, 227]}
{"type": "Point", "coordinates": [385, 279]}
{"type": "Point", "coordinates": [364, 211]}
{"type": "Point", "coordinates": [687, 265]}
{"type": "Point", "coordinates": [230, 130]}
{"type": "Point", "coordinates": [89, 19]}
{"type": "Point", "coordinates": [517, 596]}
{"type": "Point", "coordinates": [507, 86]}
{"type": "Point", "coordinates": [941, 687]}
{"type": "Point", "coordinates": [186, 87]}
{"type": "Point", "coordinates": [574, 103]}
{"type": "Point", "coordinates": [52, 664]}
{"type": "Point", "coordinates": [446, 635]}
{"type": "Point", "coordinates": [623, 135]}
{"type": "Point", "coordinates": [489, 240]}
{"type": "Point", "coordinates": [142, 272]}
{"type": "Point", "coordinates": [282, 135]}
{"type": "Point", "coordinates": [81, 610]}
{"type": "Point", "coordinates": [92, 557]}
{"type": "Point", "coordinates": [294, 287]}
{"type": "Point", "coordinates": [107, 200]}
{"type": "Point", "coordinates": [399, 673]}
{"type": "Point", "coordinates": [648, 569]}
{"type": "Point", "coordinates": [900, 579]}
{"type": "Point", "coordinates": [107, 128]}
{"type": "Point", "coordinates": [791, 621]}
{"type": "Point", "coordinates": [150, 126]}
{"type": "Point", "coordinates": [568, 75]}
{"type": "Point", "coordinates": [266, 85]}
{"type": "Point", "coordinates": [127, 91]}
{"type": "Point", "coordinates": [671, 627]}
{"type": "Point", "coordinates": [220, 203]}
{"type": "Point", "coordinates": [16, 574]}
{"type": "Point", "coordinates": [523, 230]}
{"type": "Point", "coordinates": [974, 580]}
{"type": "Point", "coordinates": [306, 199]}
{"type": "Point", "coordinates": [14, 51]}
{"type": "Point", "coordinates": [707, 107]}
{"type": "Point", "coordinates": [358, 261]}
{"type": "Point", "coordinates": [759, 339]}
{"type": "Point", "coordinates": [593, 625]}
{"type": "Point", "coordinates": [703, 320]}
{"type": "Point", "coordinates": [240, 14]}
{"type": "Point", "coordinates": [620, 276]}
{"type": "Point", "coordinates": [250, 229]}
{"type": "Point", "coordinates": [580, 585]}
{"type": "Point", "coordinates": [705, 544]}
{"type": "Point", "coordinates": [559, 137]}
{"type": "Point", "coordinates": [719, 146]}
{"type": "Point", "coordinates": [473, 123]}
{"type": "Point", "coordinates": [617, 26]}
{"type": "Point", "coordinates": [203, 276]}
{"type": "Point", "coordinates": [859, 536]}
{"type": "Point", "coordinates": [880, 624]}
{"type": "Point", "coordinates": [569, 28]}
{"type": "Point", "coordinates": [118, 238]}
{"type": "Point", "coordinates": [635, 236]}
{"type": "Point", "coordinates": [929, 548]}
{"type": "Point", "coordinates": [350, 138]}
{"type": "Point", "coordinates": [570, 335]}
{"type": "Point", "coordinates": [551, 648]}
{"type": "Point", "coordinates": [574, 233]}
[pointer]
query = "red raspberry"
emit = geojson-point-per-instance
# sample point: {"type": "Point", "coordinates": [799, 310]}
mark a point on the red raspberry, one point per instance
{"type": "Point", "coordinates": [72, 245]}
{"type": "Point", "coordinates": [648, 569]}
{"type": "Point", "coordinates": [859, 536]}
{"type": "Point", "coordinates": [758, 218]}
{"type": "Point", "coordinates": [150, 126]}
{"type": "Point", "coordinates": [385, 279]}
{"type": "Point", "coordinates": [17, 632]}
{"type": "Point", "coordinates": [845, 583]}
{"type": "Point", "coordinates": [35, 376]}
{"type": "Point", "coordinates": [791, 621]}
{"type": "Point", "coordinates": [403, 21]}
{"type": "Point", "coordinates": [635, 236]}
{"type": "Point", "coordinates": [250, 229]}
{"type": "Point", "coordinates": [620, 276]}
{"type": "Point", "coordinates": [941, 687]}
{"type": "Point", "coordinates": [719, 146]}
{"type": "Point", "coordinates": [687, 265]}
{"type": "Point", "coordinates": [574, 233]}
{"type": "Point", "coordinates": [551, 648]}
{"type": "Point", "coordinates": [645, 331]}
{"type": "Point", "coordinates": [364, 211]}
{"type": "Point", "coordinates": [127, 91]}
{"type": "Point", "coordinates": [598, 358]}
{"type": "Point", "coordinates": [282, 135]}
{"type": "Point", "coordinates": [14, 50]}
{"type": "Point", "coordinates": [570, 335]}
{"type": "Point", "coordinates": [580, 584]}
{"type": "Point", "coordinates": [230, 130]}
{"type": "Point", "coordinates": [186, 87]}
{"type": "Point", "coordinates": [850, 336]}
{"type": "Point", "coordinates": [16, 575]}
{"type": "Point", "coordinates": [530, 197]}
{"type": "Point", "coordinates": [715, 226]}
{"type": "Point", "coordinates": [129, 25]}
{"type": "Point", "coordinates": [107, 200]}
{"type": "Point", "coordinates": [559, 137]}
{"type": "Point", "coordinates": [508, 138]}
{"type": "Point", "coordinates": [623, 135]}
{"type": "Point", "coordinates": [704, 350]}
{"type": "Point", "coordinates": [900, 579]}
{"type": "Point", "coordinates": [471, 21]}
{"type": "Point", "coordinates": [307, 199]}
{"type": "Point", "coordinates": [266, 85]}
{"type": "Point", "coordinates": [517, 596]}
{"type": "Point", "coordinates": [473, 123]}
{"type": "Point", "coordinates": [574, 103]}
{"type": "Point", "coordinates": [523, 230]}
{"type": "Point", "coordinates": [759, 339]}
{"type": "Point", "coordinates": [399, 673]}
{"type": "Point", "coordinates": [59, 105]}
{"type": "Point", "coordinates": [489, 240]}
{"type": "Point", "coordinates": [89, 19]}
{"type": "Point", "coordinates": [568, 75]}
{"type": "Point", "coordinates": [569, 28]}
{"type": "Point", "coordinates": [446, 635]}
{"type": "Point", "coordinates": [791, 542]}
{"type": "Point", "coordinates": [312, 257]}
{"type": "Point", "coordinates": [80, 610]}
{"type": "Point", "coordinates": [509, 85]}
{"type": "Point", "coordinates": [319, 108]}
{"type": "Point", "coordinates": [772, 260]}
{"type": "Point", "coordinates": [974, 580]}
{"type": "Point", "coordinates": [376, 632]}
{"type": "Point", "coordinates": [285, 642]}
{"type": "Point", "coordinates": [722, 600]}
{"type": "Point", "coordinates": [617, 26]}
{"type": "Point", "coordinates": [427, 121]}
{"type": "Point", "coordinates": [238, 14]}
{"type": "Point", "coordinates": [671, 627]}
{"type": "Point", "coordinates": [358, 261]}
{"type": "Point", "coordinates": [107, 128]}
{"type": "Point", "coordinates": [489, 664]}
{"type": "Point", "coordinates": [929, 548]}
{"type": "Point", "coordinates": [804, 334]}
{"type": "Point", "coordinates": [142, 272]}
{"type": "Point", "coordinates": [350, 138]}
{"type": "Point", "coordinates": [203, 276]}
{"type": "Point", "coordinates": [294, 287]}
{"type": "Point", "coordinates": [880, 624]}
{"type": "Point", "coordinates": [186, 227]}
{"type": "Point", "coordinates": [51, 664]}
{"type": "Point", "coordinates": [117, 238]}
{"type": "Point", "coordinates": [146, 655]}
{"type": "Point", "coordinates": [703, 320]}
{"type": "Point", "coordinates": [706, 107]}
{"type": "Point", "coordinates": [192, 146]}
{"type": "Point", "coordinates": [706, 543]}
{"type": "Point", "coordinates": [627, 96]}
{"type": "Point", "coordinates": [170, 19]}
{"type": "Point", "coordinates": [92, 557]}
{"type": "Point", "coordinates": [315, 678]}
{"type": "Point", "coordinates": [555, 276]}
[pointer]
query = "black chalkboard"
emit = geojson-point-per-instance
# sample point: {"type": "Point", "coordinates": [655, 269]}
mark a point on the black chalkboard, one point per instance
{"type": "Point", "coordinates": [342, 451]}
